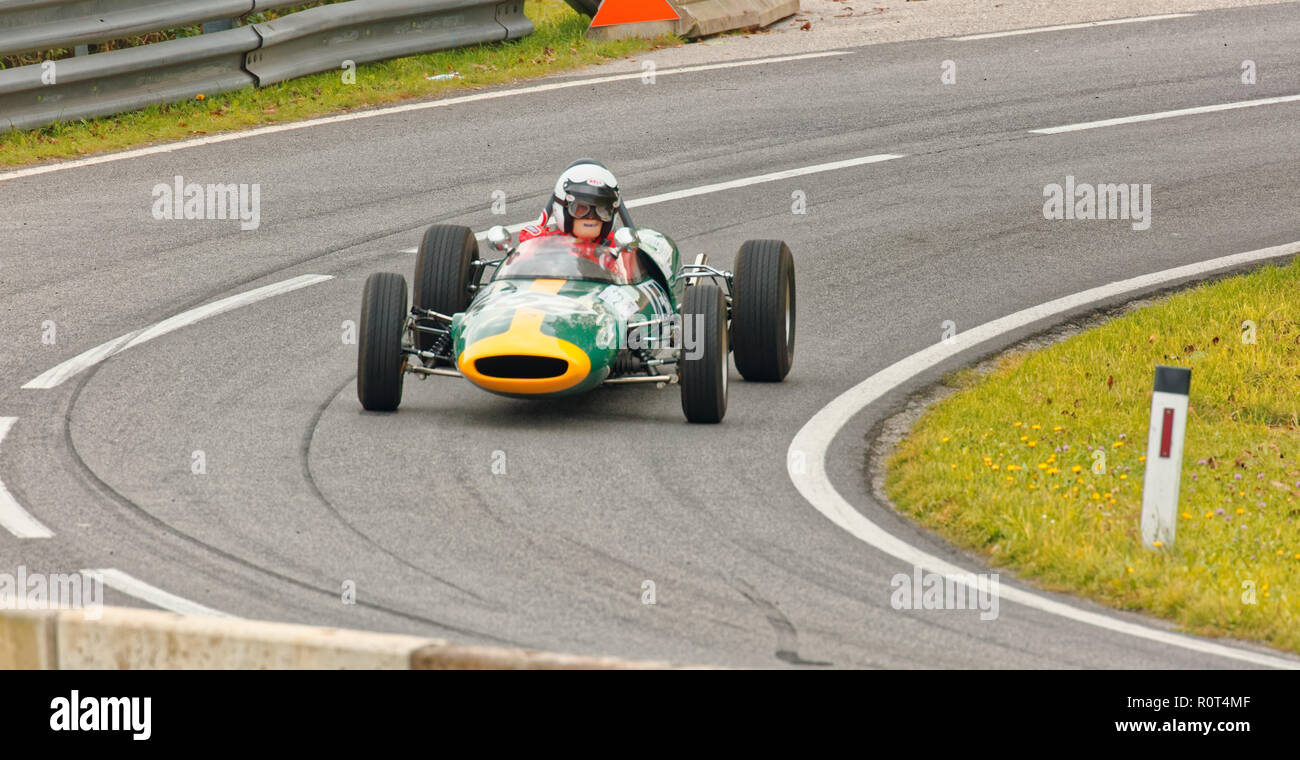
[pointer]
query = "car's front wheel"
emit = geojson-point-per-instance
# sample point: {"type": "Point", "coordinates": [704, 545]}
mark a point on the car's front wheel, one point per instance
{"type": "Point", "coordinates": [380, 359]}
{"type": "Point", "coordinates": [442, 273]}
{"type": "Point", "coordinates": [763, 310]}
{"type": "Point", "coordinates": [703, 361]}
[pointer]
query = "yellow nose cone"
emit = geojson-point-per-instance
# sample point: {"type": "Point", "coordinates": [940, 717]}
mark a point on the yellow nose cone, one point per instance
{"type": "Point", "coordinates": [523, 359]}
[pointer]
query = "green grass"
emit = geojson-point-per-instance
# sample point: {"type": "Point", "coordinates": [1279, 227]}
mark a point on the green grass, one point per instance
{"type": "Point", "coordinates": [558, 44]}
{"type": "Point", "coordinates": [1005, 466]}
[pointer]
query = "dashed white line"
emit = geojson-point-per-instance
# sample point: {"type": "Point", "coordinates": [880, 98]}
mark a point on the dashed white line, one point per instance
{"type": "Point", "coordinates": [1165, 115]}
{"type": "Point", "coordinates": [757, 179]}
{"type": "Point", "coordinates": [1066, 27]}
{"type": "Point", "coordinates": [806, 458]}
{"type": "Point", "coordinates": [761, 178]}
{"type": "Point", "coordinates": [370, 114]}
{"type": "Point", "coordinates": [54, 376]}
{"type": "Point", "coordinates": [134, 587]}
{"type": "Point", "coordinates": [13, 517]}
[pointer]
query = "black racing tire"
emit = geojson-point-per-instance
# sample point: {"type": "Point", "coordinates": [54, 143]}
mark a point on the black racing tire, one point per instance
{"type": "Point", "coordinates": [704, 378]}
{"type": "Point", "coordinates": [380, 360]}
{"type": "Point", "coordinates": [442, 273]}
{"type": "Point", "coordinates": [763, 310]}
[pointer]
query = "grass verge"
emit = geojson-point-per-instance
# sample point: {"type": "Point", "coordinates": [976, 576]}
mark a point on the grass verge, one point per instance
{"type": "Point", "coordinates": [1038, 464]}
{"type": "Point", "coordinates": [558, 44]}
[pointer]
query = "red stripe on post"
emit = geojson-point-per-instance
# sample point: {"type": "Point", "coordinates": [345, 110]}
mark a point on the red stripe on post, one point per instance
{"type": "Point", "coordinates": [1166, 433]}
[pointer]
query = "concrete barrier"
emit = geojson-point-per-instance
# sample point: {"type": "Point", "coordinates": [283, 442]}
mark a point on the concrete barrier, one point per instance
{"type": "Point", "coordinates": [704, 17]}
{"type": "Point", "coordinates": [27, 640]}
{"type": "Point", "coordinates": [124, 638]}
{"type": "Point", "coordinates": [444, 656]}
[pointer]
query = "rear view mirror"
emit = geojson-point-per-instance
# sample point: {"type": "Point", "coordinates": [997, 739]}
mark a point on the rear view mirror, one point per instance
{"type": "Point", "coordinates": [499, 238]}
{"type": "Point", "coordinates": [625, 239]}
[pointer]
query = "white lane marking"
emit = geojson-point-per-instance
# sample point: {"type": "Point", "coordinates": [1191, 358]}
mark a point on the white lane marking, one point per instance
{"type": "Point", "coordinates": [807, 451]}
{"type": "Point", "coordinates": [51, 378]}
{"type": "Point", "coordinates": [370, 114]}
{"type": "Point", "coordinates": [1064, 27]}
{"type": "Point", "coordinates": [1165, 115]}
{"type": "Point", "coordinates": [134, 587]}
{"type": "Point", "coordinates": [761, 178]}
{"type": "Point", "coordinates": [13, 517]}
{"type": "Point", "coordinates": [757, 179]}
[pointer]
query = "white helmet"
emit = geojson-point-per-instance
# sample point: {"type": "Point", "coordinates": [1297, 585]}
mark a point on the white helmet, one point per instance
{"type": "Point", "coordinates": [585, 188]}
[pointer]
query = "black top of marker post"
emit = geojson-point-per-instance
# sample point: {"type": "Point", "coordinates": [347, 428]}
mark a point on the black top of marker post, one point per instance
{"type": "Point", "coordinates": [1173, 379]}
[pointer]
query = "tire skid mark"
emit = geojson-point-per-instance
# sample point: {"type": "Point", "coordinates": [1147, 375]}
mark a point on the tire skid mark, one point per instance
{"type": "Point", "coordinates": [787, 638]}
{"type": "Point", "coordinates": [308, 437]}
{"type": "Point", "coordinates": [90, 478]}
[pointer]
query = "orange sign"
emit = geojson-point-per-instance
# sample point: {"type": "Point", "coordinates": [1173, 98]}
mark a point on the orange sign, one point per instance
{"type": "Point", "coordinates": [633, 11]}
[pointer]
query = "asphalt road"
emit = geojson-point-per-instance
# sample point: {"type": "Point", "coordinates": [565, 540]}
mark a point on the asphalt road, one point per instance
{"type": "Point", "coordinates": [304, 491]}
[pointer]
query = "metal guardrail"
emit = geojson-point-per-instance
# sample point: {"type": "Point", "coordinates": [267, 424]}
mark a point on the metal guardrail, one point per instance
{"type": "Point", "coordinates": [32, 25]}
{"type": "Point", "coordinates": [124, 80]}
{"type": "Point", "coordinates": [314, 40]}
{"type": "Point", "coordinates": [320, 39]}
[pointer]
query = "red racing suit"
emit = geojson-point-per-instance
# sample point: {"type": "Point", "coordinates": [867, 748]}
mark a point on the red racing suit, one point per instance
{"type": "Point", "coordinates": [539, 228]}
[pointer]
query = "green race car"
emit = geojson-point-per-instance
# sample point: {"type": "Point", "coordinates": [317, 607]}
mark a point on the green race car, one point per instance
{"type": "Point", "coordinates": [560, 316]}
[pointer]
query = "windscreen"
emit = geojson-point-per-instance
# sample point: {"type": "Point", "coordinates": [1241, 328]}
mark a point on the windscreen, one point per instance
{"type": "Point", "coordinates": [564, 257]}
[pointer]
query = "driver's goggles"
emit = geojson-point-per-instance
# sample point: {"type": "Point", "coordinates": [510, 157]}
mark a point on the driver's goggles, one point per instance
{"type": "Point", "coordinates": [580, 210]}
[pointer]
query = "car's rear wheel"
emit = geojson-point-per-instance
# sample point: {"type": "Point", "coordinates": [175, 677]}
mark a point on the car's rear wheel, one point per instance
{"type": "Point", "coordinates": [380, 360]}
{"type": "Point", "coordinates": [442, 273]}
{"type": "Point", "coordinates": [703, 361]}
{"type": "Point", "coordinates": [763, 310]}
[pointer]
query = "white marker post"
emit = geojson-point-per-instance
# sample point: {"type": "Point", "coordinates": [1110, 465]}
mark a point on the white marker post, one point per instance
{"type": "Point", "coordinates": [1164, 456]}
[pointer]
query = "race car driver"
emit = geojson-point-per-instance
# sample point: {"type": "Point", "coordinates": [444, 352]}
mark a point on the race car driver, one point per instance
{"type": "Point", "coordinates": [583, 204]}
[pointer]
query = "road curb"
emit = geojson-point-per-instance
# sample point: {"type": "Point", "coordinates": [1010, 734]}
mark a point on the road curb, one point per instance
{"type": "Point", "coordinates": [27, 640]}
{"type": "Point", "coordinates": [133, 639]}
